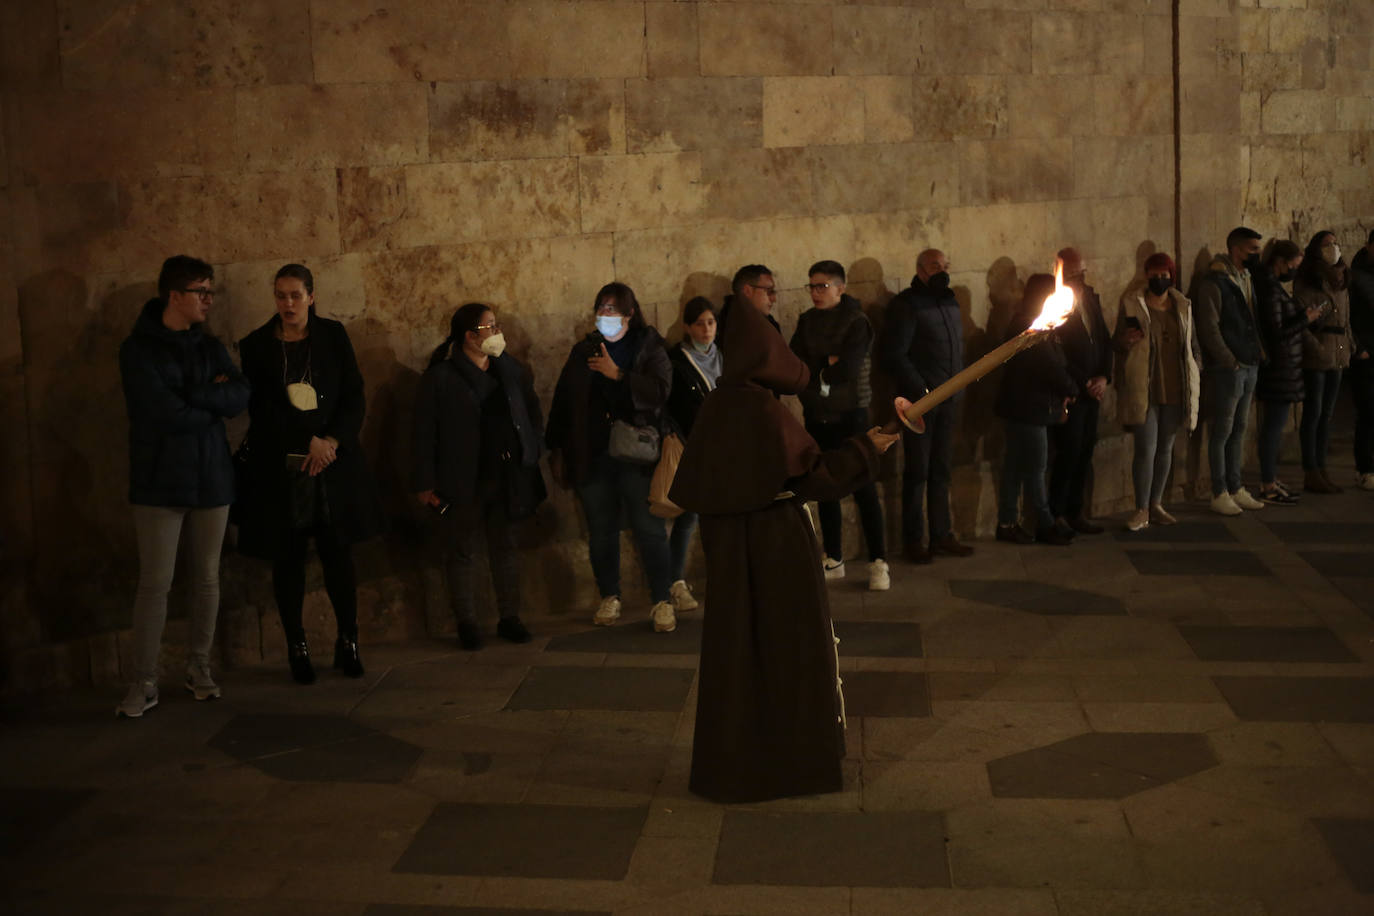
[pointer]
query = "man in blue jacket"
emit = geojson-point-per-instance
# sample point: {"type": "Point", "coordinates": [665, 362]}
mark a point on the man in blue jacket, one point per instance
{"type": "Point", "coordinates": [923, 346]}
{"type": "Point", "coordinates": [179, 386]}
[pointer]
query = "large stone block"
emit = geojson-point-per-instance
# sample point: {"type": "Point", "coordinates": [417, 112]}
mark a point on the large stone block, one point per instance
{"type": "Point", "coordinates": [1121, 166]}
{"type": "Point", "coordinates": [664, 115]}
{"type": "Point", "coordinates": [812, 111]}
{"type": "Point", "coordinates": [1297, 112]}
{"type": "Point", "coordinates": [1051, 106]}
{"type": "Point", "coordinates": [979, 236]}
{"type": "Point", "coordinates": [586, 38]}
{"type": "Point", "coordinates": [1211, 160]}
{"type": "Point", "coordinates": [1291, 30]}
{"type": "Point", "coordinates": [447, 203]}
{"type": "Point", "coordinates": [1211, 106]}
{"type": "Point", "coordinates": [1199, 48]}
{"type": "Point", "coordinates": [960, 107]}
{"type": "Point", "coordinates": [763, 39]}
{"type": "Point", "coordinates": [975, 42]}
{"type": "Point", "coordinates": [359, 41]}
{"type": "Point", "coordinates": [526, 119]}
{"type": "Point", "coordinates": [1136, 105]}
{"type": "Point", "coordinates": [1343, 157]}
{"type": "Point", "coordinates": [888, 176]}
{"type": "Point", "coordinates": [640, 191]}
{"type": "Point", "coordinates": [197, 43]}
{"type": "Point", "coordinates": [751, 184]}
{"type": "Point", "coordinates": [311, 127]}
{"type": "Point", "coordinates": [1268, 72]}
{"type": "Point", "coordinates": [886, 245]}
{"type": "Point", "coordinates": [670, 35]}
{"type": "Point", "coordinates": [244, 301]}
{"type": "Point", "coordinates": [880, 39]}
{"type": "Point", "coordinates": [1007, 171]}
{"type": "Point", "coordinates": [1066, 43]}
{"type": "Point", "coordinates": [1355, 113]}
{"type": "Point", "coordinates": [887, 109]}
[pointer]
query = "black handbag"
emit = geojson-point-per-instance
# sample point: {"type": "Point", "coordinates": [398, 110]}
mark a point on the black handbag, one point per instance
{"type": "Point", "coordinates": [634, 444]}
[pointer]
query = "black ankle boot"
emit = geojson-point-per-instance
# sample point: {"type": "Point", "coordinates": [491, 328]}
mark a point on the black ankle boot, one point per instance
{"type": "Point", "coordinates": [346, 656]}
{"type": "Point", "coordinates": [298, 654]}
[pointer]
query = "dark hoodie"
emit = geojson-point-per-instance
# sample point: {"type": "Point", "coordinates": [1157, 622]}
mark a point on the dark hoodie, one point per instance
{"type": "Point", "coordinates": [844, 332]}
{"type": "Point", "coordinates": [178, 453]}
{"type": "Point", "coordinates": [1362, 304]}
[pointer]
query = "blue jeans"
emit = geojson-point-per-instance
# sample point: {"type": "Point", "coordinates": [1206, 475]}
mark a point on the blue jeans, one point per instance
{"type": "Point", "coordinates": [1321, 386]}
{"type": "Point", "coordinates": [1231, 391]}
{"type": "Point", "coordinates": [1273, 418]}
{"type": "Point", "coordinates": [1154, 453]}
{"type": "Point", "coordinates": [1023, 467]}
{"type": "Point", "coordinates": [615, 488]}
{"type": "Point", "coordinates": [679, 542]}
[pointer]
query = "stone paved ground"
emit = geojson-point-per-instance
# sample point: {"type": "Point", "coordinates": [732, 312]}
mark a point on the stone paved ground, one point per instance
{"type": "Point", "coordinates": [1179, 721]}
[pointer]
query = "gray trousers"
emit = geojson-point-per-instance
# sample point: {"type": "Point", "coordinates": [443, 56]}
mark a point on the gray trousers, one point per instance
{"type": "Point", "coordinates": [159, 531]}
{"type": "Point", "coordinates": [1154, 453]}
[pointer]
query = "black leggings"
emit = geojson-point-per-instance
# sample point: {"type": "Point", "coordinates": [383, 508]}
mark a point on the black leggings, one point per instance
{"type": "Point", "coordinates": [340, 582]}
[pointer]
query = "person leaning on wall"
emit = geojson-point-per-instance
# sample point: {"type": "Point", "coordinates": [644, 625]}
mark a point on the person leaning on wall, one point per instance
{"type": "Point", "coordinates": [304, 472]}
{"type": "Point", "coordinates": [478, 437]}
{"type": "Point", "coordinates": [1322, 282]}
{"type": "Point", "coordinates": [1282, 321]}
{"type": "Point", "coordinates": [179, 386]}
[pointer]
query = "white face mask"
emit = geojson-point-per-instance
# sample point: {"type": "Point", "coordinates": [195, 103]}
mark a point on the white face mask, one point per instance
{"type": "Point", "coordinates": [494, 345]}
{"type": "Point", "coordinates": [1331, 255]}
{"type": "Point", "coordinates": [609, 325]}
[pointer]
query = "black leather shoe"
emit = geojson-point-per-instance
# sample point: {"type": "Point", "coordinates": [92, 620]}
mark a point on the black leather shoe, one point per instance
{"type": "Point", "coordinates": [469, 637]}
{"type": "Point", "coordinates": [510, 628]}
{"type": "Point", "coordinates": [298, 655]}
{"type": "Point", "coordinates": [1083, 526]}
{"type": "Point", "coordinates": [1063, 529]}
{"type": "Point", "coordinates": [915, 553]}
{"type": "Point", "coordinates": [346, 656]}
{"type": "Point", "coordinates": [1014, 534]}
{"type": "Point", "coordinates": [950, 545]}
{"type": "Point", "coordinates": [1053, 537]}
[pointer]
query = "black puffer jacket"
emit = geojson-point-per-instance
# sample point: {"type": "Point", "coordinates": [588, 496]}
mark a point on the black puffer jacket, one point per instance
{"type": "Point", "coordinates": [1035, 382]}
{"type": "Point", "coordinates": [1281, 323]}
{"type": "Point", "coordinates": [843, 332]}
{"type": "Point", "coordinates": [178, 454]}
{"type": "Point", "coordinates": [923, 338]}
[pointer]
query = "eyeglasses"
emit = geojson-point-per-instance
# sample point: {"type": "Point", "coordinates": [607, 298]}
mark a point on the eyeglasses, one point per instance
{"type": "Point", "coordinates": [488, 327]}
{"type": "Point", "coordinates": [770, 290]}
{"type": "Point", "coordinates": [204, 292]}
{"type": "Point", "coordinates": [818, 287]}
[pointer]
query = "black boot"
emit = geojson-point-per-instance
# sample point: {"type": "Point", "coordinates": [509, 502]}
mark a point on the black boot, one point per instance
{"type": "Point", "coordinates": [298, 654]}
{"type": "Point", "coordinates": [469, 636]}
{"type": "Point", "coordinates": [510, 628]}
{"type": "Point", "coordinates": [346, 656]}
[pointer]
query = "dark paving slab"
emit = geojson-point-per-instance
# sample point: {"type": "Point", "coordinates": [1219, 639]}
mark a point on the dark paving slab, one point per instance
{"type": "Point", "coordinates": [1351, 841]}
{"type": "Point", "coordinates": [1100, 765]}
{"type": "Point", "coordinates": [407, 909]}
{"type": "Point", "coordinates": [525, 841]}
{"type": "Point", "coordinates": [28, 813]}
{"type": "Point", "coordinates": [638, 637]}
{"type": "Point", "coordinates": [1035, 597]}
{"type": "Point", "coordinates": [878, 639]}
{"type": "Point", "coordinates": [1299, 699]}
{"type": "Point", "coordinates": [1266, 644]}
{"type": "Point", "coordinates": [642, 689]}
{"type": "Point", "coordinates": [886, 693]}
{"type": "Point", "coordinates": [316, 748]}
{"type": "Point", "coordinates": [256, 735]}
{"type": "Point", "coordinates": [1185, 532]}
{"type": "Point", "coordinates": [1197, 563]}
{"type": "Point", "coordinates": [833, 849]}
{"type": "Point", "coordinates": [1322, 532]}
{"type": "Point", "coordinates": [1340, 562]}
{"type": "Point", "coordinates": [1360, 591]}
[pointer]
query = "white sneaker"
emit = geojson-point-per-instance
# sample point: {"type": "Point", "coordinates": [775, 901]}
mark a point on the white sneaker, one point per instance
{"type": "Point", "coordinates": [1138, 521]}
{"type": "Point", "coordinates": [608, 613]}
{"type": "Point", "coordinates": [1365, 481]}
{"type": "Point", "coordinates": [199, 682]}
{"type": "Point", "coordinates": [682, 598]}
{"type": "Point", "coordinates": [878, 578]}
{"type": "Point", "coordinates": [1225, 505]}
{"type": "Point", "coordinates": [1243, 499]}
{"type": "Point", "coordinates": [834, 569]}
{"type": "Point", "coordinates": [665, 621]}
{"type": "Point", "coordinates": [142, 696]}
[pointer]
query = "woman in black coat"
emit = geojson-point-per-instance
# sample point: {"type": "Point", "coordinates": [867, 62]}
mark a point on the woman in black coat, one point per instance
{"type": "Point", "coordinates": [305, 474]}
{"type": "Point", "coordinates": [1035, 391]}
{"type": "Point", "coordinates": [1280, 385]}
{"type": "Point", "coordinates": [478, 439]}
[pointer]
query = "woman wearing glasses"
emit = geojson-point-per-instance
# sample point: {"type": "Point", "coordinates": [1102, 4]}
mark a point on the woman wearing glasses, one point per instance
{"type": "Point", "coordinates": [478, 439]}
{"type": "Point", "coordinates": [305, 475]}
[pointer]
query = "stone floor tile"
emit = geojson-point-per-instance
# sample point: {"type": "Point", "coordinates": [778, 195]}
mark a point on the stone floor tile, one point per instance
{"type": "Point", "coordinates": [507, 731]}
{"type": "Point", "coordinates": [1354, 743]}
{"type": "Point", "coordinates": [1358, 591]}
{"type": "Point", "coordinates": [755, 900]}
{"type": "Point", "coordinates": [1299, 699]}
{"type": "Point", "coordinates": [965, 685]}
{"type": "Point", "coordinates": [394, 707]}
{"type": "Point", "coordinates": [538, 841]}
{"type": "Point", "coordinates": [1096, 688]}
{"type": "Point", "coordinates": [1190, 531]}
{"type": "Point", "coordinates": [886, 693]}
{"type": "Point", "coordinates": [936, 901]}
{"type": "Point", "coordinates": [1197, 563]}
{"type": "Point", "coordinates": [589, 772]}
{"type": "Point", "coordinates": [365, 846]}
{"type": "Point", "coordinates": [645, 689]}
{"type": "Point", "coordinates": [636, 638]}
{"type": "Point", "coordinates": [1100, 765]}
{"type": "Point", "coordinates": [453, 674]}
{"type": "Point", "coordinates": [1351, 841]}
{"type": "Point", "coordinates": [248, 736]}
{"type": "Point", "coordinates": [475, 776]}
{"type": "Point", "coordinates": [985, 632]}
{"type": "Point", "coordinates": [64, 904]}
{"type": "Point", "coordinates": [1339, 563]}
{"type": "Point", "coordinates": [1307, 791]}
{"type": "Point", "coordinates": [870, 849]}
{"type": "Point", "coordinates": [908, 785]}
{"type": "Point", "coordinates": [1139, 903]}
{"type": "Point", "coordinates": [668, 864]}
{"type": "Point", "coordinates": [1266, 644]}
{"type": "Point", "coordinates": [1330, 896]}
{"type": "Point", "coordinates": [29, 812]}
{"type": "Point", "coordinates": [879, 638]}
{"type": "Point", "coordinates": [1017, 725]}
{"type": "Point", "coordinates": [1295, 744]}
{"type": "Point", "coordinates": [1035, 597]}
{"type": "Point", "coordinates": [341, 883]}
{"type": "Point", "coordinates": [701, 820]}
{"type": "Point", "coordinates": [1099, 638]}
{"type": "Point", "coordinates": [370, 758]}
{"type": "Point", "coordinates": [407, 909]}
{"type": "Point", "coordinates": [1162, 717]}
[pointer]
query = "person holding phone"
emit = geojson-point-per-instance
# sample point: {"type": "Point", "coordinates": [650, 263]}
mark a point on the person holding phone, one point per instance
{"type": "Point", "coordinates": [1322, 282]}
{"type": "Point", "coordinates": [305, 473]}
{"type": "Point", "coordinates": [619, 374]}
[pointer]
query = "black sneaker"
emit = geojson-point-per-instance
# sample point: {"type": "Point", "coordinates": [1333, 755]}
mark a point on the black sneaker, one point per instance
{"type": "Point", "coordinates": [1054, 537]}
{"type": "Point", "coordinates": [511, 629]}
{"type": "Point", "coordinates": [469, 637]}
{"type": "Point", "coordinates": [1014, 534]}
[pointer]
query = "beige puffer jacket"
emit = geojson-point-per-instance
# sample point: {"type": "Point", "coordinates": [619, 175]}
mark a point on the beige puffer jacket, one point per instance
{"type": "Point", "coordinates": [1133, 362]}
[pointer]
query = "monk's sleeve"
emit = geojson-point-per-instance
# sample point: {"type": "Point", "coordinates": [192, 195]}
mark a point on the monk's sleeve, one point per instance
{"type": "Point", "coordinates": [838, 472]}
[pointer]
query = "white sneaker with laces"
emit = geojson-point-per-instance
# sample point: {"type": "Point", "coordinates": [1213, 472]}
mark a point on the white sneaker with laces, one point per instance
{"type": "Point", "coordinates": [834, 569]}
{"type": "Point", "coordinates": [1243, 499]}
{"type": "Point", "coordinates": [1225, 505]}
{"type": "Point", "coordinates": [681, 596]}
{"type": "Point", "coordinates": [665, 621]}
{"type": "Point", "coordinates": [142, 696]}
{"type": "Point", "coordinates": [199, 682]}
{"type": "Point", "coordinates": [879, 579]}
{"type": "Point", "coordinates": [608, 613]}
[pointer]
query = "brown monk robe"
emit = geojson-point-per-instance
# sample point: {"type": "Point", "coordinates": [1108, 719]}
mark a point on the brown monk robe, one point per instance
{"type": "Point", "coordinates": [769, 712]}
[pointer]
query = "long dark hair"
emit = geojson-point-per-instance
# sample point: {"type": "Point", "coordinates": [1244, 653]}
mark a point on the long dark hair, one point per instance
{"type": "Point", "coordinates": [625, 302]}
{"type": "Point", "coordinates": [465, 320]}
{"type": "Point", "coordinates": [1312, 266]}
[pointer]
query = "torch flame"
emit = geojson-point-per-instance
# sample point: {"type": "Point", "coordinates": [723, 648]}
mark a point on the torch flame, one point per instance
{"type": "Point", "coordinates": [1058, 305]}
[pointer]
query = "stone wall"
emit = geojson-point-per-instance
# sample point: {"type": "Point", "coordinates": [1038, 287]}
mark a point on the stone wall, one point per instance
{"type": "Point", "coordinates": [422, 153]}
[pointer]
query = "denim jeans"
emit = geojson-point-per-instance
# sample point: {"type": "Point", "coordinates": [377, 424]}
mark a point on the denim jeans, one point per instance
{"type": "Point", "coordinates": [1023, 467]}
{"type": "Point", "coordinates": [615, 489]}
{"type": "Point", "coordinates": [829, 436]}
{"type": "Point", "coordinates": [679, 543]}
{"type": "Point", "coordinates": [1154, 453]}
{"type": "Point", "coordinates": [465, 531]}
{"type": "Point", "coordinates": [927, 458]}
{"type": "Point", "coordinates": [1321, 386]}
{"type": "Point", "coordinates": [1273, 418]}
{"type": "Point", "coordinates": [1231, 391]}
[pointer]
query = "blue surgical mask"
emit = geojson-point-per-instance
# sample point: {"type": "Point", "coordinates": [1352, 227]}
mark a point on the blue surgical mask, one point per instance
{"type": "Point", "coordinates": [703, 347]}
{"type": "Point", "coordinates": [609, 325]}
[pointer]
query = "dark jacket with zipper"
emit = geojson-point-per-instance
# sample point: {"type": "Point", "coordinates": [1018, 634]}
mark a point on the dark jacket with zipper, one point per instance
{"type": "Point", "coordinates": [1226, 325]}
{"type": "Point", "coordinates": [449, 439]}
{"type": "Point", "coordinates": [277, 428]}
{"type": "Point", "coordinates": [842, 331]}
{"type": "Point", "coordinates": [1035, 382]}
{"type": "Point", "coordinates": [1281, 320]}
{"type": "Point", "coordinates": [178, 453]}
{"type": "Point", "coordinates": [923, 338]}
{"type": "Point", "coordinates": [1362, 308]}
{"type": "Point", "coordinates": [688, 392]}
{"type": "Point", "coordinates": [1086, 341]}
{"type": "Point", "coordinates": [586, 403]}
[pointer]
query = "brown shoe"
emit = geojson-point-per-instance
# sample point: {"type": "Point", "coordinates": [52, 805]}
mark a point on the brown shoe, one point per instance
{"type": "Point", "coordinates": [1315, 482]}
{"type": "Point", "coordinates": [949, 545]}
{"type": "Point", "coordinates": [915, 553]}
{"type": "Point", "coordinates": [1335, 488]}
{"type": "Point", "coordinates": [1083, 526]}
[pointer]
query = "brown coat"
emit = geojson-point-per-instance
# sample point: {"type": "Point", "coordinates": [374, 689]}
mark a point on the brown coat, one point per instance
{"type": "Point", "coordinates": [1326, 342]}
{"type": "Point", "coordinates": [769, 715]}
